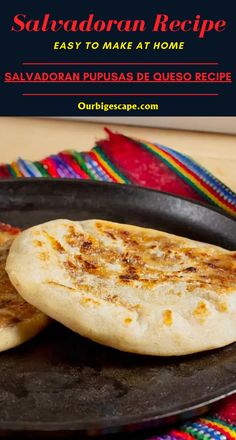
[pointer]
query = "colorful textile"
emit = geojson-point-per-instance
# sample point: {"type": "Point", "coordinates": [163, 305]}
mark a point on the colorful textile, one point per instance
{"type": "Point", "coordinates": [218, 426]}
{"type": "Point", "coordinates": [214, 427]}
{"type": "Point", "coordinates": [131, 161]}
{"type": "Point", "coordinates": [124, 160]}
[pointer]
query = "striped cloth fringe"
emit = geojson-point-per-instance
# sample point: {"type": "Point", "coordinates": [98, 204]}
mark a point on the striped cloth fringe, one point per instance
{"type": "Point", "coordinates": [208, 186]}
{"type": "Point", "coordinates": [207, 428]}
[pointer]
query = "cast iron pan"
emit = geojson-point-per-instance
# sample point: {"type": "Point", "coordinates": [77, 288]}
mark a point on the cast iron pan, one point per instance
{"type": "Point", "coordinates": [60, 384]}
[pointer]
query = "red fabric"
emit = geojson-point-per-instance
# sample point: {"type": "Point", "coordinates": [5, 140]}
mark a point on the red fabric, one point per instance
{"type": "Point", "coordinates": [227, 409]}
{"type": "Point", "coordinates": [144, 168]}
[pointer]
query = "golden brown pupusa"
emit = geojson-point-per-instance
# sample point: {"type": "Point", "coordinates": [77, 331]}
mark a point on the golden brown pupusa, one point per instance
{"type": "Point", "coordinates": [19, 320]}
{"type": "Point", "coordinates": [148, 258]}
{"type": "Point", "coordinates": [132, 288]}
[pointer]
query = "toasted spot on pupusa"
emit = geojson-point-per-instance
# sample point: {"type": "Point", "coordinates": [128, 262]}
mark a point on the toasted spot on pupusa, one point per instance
{"type": "Point", "coordinates": [135, 289]}
{"type": "Point", "coordinates": [19, 320]}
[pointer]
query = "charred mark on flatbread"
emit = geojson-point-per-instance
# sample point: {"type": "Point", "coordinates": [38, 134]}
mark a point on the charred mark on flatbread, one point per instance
{"type": "Point", "coordinates": [54, 283]}
{"type": "Point", "coordinates": [56, 245]}
{"type": "Point", "coordinates": [73, 238]}
{"type": "Point", "coordinates": [86, 246]}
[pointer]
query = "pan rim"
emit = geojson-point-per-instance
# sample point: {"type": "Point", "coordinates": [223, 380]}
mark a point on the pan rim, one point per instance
{"type": "Point", "coordinates": [149, 420]}
{"type": "Point", "coordinates": [55, 180]}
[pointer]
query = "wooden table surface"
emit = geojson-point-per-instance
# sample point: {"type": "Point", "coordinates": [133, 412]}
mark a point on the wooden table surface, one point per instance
{"type": "Point", "coordinates": [34, 138]}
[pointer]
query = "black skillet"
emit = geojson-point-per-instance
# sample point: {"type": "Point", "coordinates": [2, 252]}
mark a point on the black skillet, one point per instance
{"type": "Point", "coordinates": [62, 385]}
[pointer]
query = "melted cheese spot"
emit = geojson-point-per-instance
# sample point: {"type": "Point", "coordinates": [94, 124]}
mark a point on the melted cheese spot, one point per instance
{"type": "Point", "coordinates": [38, 243]}
{"type": "Point", "coordinates": [44, 256]}
{"type": "Point", "coordinates": [167, 317]}
{"type": "Point", "coordinates": [128, 320]}
{"type": "Point", "coordinates": [201, 312]}
{"type": "Point", "coordinates": [90, 301]}
{"type": "Point", "coordinates": [222, 307]}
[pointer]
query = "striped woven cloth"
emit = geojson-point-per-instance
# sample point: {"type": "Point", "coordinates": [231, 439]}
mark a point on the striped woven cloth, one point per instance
{"type": "Point", "coordinates": [124, 160]}
{"type": "Point", "coordinates": [219, 426]}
